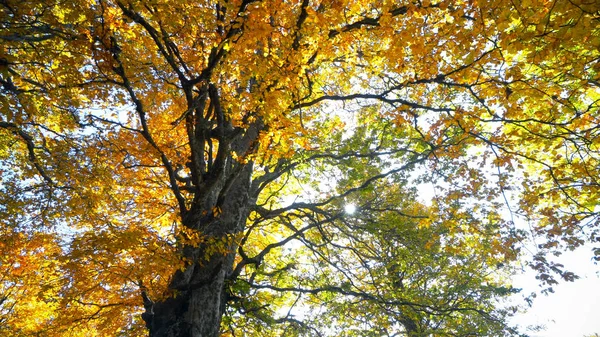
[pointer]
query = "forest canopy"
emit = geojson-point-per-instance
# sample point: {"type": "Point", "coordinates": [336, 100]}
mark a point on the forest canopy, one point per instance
{"type": "Point", "coordinates": [291, 168]}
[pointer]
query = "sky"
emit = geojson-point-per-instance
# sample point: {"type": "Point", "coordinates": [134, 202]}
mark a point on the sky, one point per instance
{"type": "Point", "coordinates": [573, 309]}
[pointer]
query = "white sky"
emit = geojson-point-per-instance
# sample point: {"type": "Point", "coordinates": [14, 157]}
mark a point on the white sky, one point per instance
{"type": "Point", "coordinates": [573, 310]}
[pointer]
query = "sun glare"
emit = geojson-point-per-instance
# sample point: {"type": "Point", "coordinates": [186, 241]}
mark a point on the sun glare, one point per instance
{"type": "Point", "coordinates": [350, 208]}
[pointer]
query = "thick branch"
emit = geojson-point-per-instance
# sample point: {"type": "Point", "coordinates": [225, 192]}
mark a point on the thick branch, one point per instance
{"type": "Point", "coordinates": [28, 139]}
{"type": "Point", "coordinates": [378, 97]}
{"type": "Point", "coordinates": [139, 108]}
{"type": "Point", "coordinates": [367, 22]}
{"type": "Point", "coordinates": [156, 37]}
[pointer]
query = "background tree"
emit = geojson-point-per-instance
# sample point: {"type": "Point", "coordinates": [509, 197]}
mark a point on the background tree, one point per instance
{"type": "Point", "coordinates": [190, 161]}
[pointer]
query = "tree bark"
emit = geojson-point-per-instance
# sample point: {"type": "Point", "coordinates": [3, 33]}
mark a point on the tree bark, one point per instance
{"type": "Point", "coordinates": [198, 292]}
{"type": "Point", "coordinates": [195, 312]}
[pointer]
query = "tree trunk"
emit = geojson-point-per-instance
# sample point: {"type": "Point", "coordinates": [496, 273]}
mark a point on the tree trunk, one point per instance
{"type": "Point", "coordinates": [198, 295]}
{"type": "Point", "coordinates": [195, 312]}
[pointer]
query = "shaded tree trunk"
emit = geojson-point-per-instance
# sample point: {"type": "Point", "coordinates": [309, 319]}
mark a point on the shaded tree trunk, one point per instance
{"type": "Point", "coordinates": [193, 312]}
{"type": "Point", "coordinates": [199, 295]}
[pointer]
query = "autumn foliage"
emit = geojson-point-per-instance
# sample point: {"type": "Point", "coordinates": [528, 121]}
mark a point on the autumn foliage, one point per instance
{"type": "Point", "coordinates": [181, 168]}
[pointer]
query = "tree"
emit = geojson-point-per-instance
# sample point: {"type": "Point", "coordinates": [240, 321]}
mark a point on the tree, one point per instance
{"type": "Point", "coordinates": [190, 161]}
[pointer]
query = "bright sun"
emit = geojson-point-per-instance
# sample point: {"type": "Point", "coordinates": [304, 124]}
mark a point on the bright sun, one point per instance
{"type": "Point", "coordinates": [350, 208]}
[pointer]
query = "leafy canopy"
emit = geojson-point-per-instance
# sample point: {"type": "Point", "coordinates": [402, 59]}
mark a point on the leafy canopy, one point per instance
{"type": "Point", "coordinates": [119, 120]}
